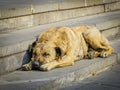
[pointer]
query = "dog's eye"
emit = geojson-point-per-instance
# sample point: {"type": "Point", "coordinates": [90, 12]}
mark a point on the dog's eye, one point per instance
{"type": "Point", "coordinates": [46, 54]}
{"type": "Point", "coordinates": [35, 54]}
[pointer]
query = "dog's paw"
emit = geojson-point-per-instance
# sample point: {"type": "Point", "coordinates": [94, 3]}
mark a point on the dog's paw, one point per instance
{"type": "Point", "coordinates": [26, 67]}
{"type": "Point", "coordinates": [91, 54]}
{"type": "Point", "coordinates": [104, 54]}
{"type": "Point", "coordinates": [46, 67]}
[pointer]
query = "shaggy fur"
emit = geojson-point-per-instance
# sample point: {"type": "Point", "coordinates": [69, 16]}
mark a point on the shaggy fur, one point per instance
{"type": "Point", "coordinates": [62, 46]}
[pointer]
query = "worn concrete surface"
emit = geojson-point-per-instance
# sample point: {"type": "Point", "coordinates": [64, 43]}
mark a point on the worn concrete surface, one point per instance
{"type": "Point", "coordinates": [29, 13]}
{"type": "Point", "coordinates": [57, 78]}
{"type": "Point", "coordinates": [115, 33]}
{"type": "Point", "coordinates": [16, 3]}
{"type": "Point", "coordinates": [26, 21]}
{"type": "Point", "coordinates": [112, 6]}
{"type": "Point", "coordinates": [107, 80]}
{"type": "Point", "coordinates": [26, 7]}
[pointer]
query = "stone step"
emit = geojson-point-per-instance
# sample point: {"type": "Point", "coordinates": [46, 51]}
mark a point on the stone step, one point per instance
{"type": "Point", "coordinates": [17, 15]}
{"type": "Point", "coordinates": [60, 77]}
{"type": "Point", "coordinates": [13, 45]}
{"type": "Point", "coordinates": [13, 8]}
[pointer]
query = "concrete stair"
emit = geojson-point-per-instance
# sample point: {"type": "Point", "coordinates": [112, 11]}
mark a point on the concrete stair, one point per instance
{"type": "Point", "coordinates": [13, 45]}
{"type": "Point", "coordinates": [60, 77]}
{"type": "Point", "coordinates": [13, 53]}
{"type": "Point", "coordinates": [18, 15]}
{"type": "Point", "coordinates": [21, 23]}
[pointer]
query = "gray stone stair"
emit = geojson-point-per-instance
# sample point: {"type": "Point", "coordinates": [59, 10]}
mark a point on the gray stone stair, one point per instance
{"type": "Point", "coordinates": [60, 77]}
{"type": "Point", "coordinates": [13, 45]}
{"type": "Point", "coordinates": [17, 15]}
{"type": "Point", "coordinates": [22, 21]}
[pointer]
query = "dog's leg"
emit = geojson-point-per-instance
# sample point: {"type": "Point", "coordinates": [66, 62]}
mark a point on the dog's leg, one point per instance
{"type": "Point", "coordinates": [106, 52]}
{"type": "Point", "coordinates": [66, 61]}
{"type": "Point", "coordinates": [27, 67]}
{"type": "Point", "coordinates": [49, 66]}
{"type": "Point", "coordinates": [94, 38]}
{"type": "Point", "coordinates": [92, 54]}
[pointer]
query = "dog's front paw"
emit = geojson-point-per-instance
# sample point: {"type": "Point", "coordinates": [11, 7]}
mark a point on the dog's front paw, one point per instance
{"type": "Point", "coordinates": [91, 54]}
{"type": "Point", "coordinates": [27, 67]}
{"type": "Point", "coordinates": [46, 67]}
{"type": "Point", "coordinates": [104, 54]}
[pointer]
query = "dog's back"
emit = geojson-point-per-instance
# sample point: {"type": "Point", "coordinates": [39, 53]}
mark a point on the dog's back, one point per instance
{"type": "Point", "coordinates": [67, 38]}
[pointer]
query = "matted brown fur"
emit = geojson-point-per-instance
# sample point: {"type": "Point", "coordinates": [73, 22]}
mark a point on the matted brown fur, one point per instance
{"type": "Point", "coordinates": [62, 46]}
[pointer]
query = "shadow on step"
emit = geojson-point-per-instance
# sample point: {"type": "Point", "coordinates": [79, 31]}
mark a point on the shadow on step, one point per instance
{"type": "Point", "coordinates": [27, 57]}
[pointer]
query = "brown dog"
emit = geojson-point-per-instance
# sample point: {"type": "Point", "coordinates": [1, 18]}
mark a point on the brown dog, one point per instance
{"type": "Point", "coordinates": [61, 46]}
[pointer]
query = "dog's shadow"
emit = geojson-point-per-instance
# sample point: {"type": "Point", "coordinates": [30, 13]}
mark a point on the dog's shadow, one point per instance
{"type": "Point", "coordinates": [27, 57]}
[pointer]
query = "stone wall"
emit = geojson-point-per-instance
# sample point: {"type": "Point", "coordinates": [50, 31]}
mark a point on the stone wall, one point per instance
{"type": "Point", "coordinates": [38, 14]}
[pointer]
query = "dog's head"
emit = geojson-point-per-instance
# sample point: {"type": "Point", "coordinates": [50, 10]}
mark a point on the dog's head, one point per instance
{"type": "Point", "coordinates": [45, 52]}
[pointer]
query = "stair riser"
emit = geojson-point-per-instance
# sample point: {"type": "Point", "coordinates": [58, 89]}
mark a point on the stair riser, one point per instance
{"type": "Point", "coordinates": [16, 18]}
{"type": "Point", "coordinates": [11, 63]}
{"type": "Point", "coordinates": [11, 24]}
{"type": "Point", "coordinates": [111, 33]}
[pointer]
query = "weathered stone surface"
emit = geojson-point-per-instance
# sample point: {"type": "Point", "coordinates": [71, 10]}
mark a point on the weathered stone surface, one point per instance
{"type": "Point", "coordinates": [66, 14]}
{"type": "Point", "coordinates": [111, 33]}
{"type": "Point", "coordinates": [44, 7]}
{"type": "Point", "coordinates": [109, 1]}
{"type": "Point", "coordinates": [11, 24]}
{"type": "Point", "coordinates": [106, 80]}
{"type": "Point", "coordinates": [71, 4]}
{"type": "Point", "coordinates": [11, 63]}
{"type": "Point", "coordinates": [93, 2]}
{"type": "Point", "coordinates": [13, 12]}
{"type": "Point", "coordinates": [118, 58]}
{"type": "Point", "coordinates": [56, 78]}
{"type": "Point", "coordinates": [112, 6]}
{"type": "Point", "coordinates": [117, 50]}
{"type": "Point", "coordinates": [108, 24]}
{"type": "Point", "coordinates": [15, 48]}
{"type": "Point", "coordinates": [19, 8]}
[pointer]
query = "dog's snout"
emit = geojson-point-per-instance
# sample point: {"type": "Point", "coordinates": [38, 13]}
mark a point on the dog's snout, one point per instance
{"type": "Point", "coordinates": [35, 64]}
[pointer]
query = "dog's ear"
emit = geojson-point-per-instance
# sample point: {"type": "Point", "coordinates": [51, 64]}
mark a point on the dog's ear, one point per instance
{"type": "Point", "coordinates": [30, 48]}
{"type": "Point", "coordinates": [59, 52]}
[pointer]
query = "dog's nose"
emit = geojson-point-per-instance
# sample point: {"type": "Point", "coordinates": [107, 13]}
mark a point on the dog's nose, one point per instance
{"type": "Point", "coordinates": [35, 64]}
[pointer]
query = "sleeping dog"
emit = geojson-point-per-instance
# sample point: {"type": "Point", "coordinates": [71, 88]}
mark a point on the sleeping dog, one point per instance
{"type": "Point", "coordinates": [62, 46]}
